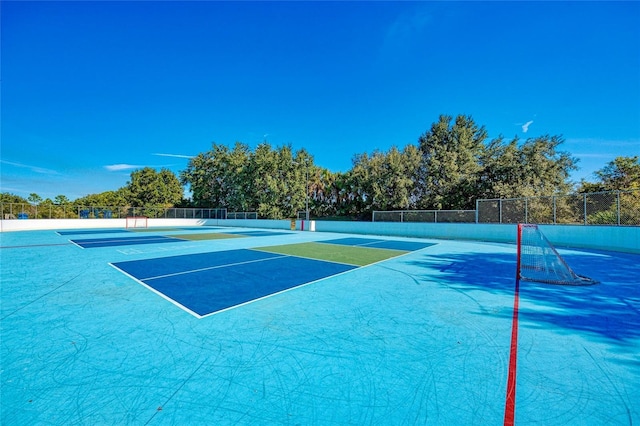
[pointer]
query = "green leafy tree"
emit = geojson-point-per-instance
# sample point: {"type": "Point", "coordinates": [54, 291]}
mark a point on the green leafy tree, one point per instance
{"type": "Point", "coordinates": [61, 200]}
{"type": "Point", "coordinates": [238, 187]}
{"type": "Point", "coordinates": [533, 168]}
{"type": "Point", "coordinates": [339, 195]}
{"type": "Point", "coordinates": [623, 173]}
{"type": "Point", "coordinates": [279, 180]}
{"type": "Point", "coordinates": [148, 188]}
{"type": "Point", "coordinates": [451, 167]}
{"type": "Point", "coordinates": [34, 198]}
{"type": "Point", "coordinates": [12, 204]}
{"type": "Point", "coordinates": [7, 197]}
{"type": "Point", "coordinates": [228, 177]}
{"type": "Point", "coordinates": [323, 191]}
{"type": "Point", "coordinates": [98, 204]}
{"type": "Point", "coordinates": [60, 207]}
{"type": "Point", "coordinates": [221, 177]}
{"type": "Point", "coordinates": [271, 181]}
{"type": "Point", "coordinates": [199, 176]}
{"type": "Point", "coordinates": [385, 181]}
{"type": "Point", "coordinates": [104, 199]}
{"type": "Point", "coordinates": [544, 169]}
{"type": "Point", "coordinates": [401, 173]}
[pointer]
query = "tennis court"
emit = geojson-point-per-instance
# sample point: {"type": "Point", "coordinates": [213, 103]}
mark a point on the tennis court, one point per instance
{"type": "Point", "coordinates": [161, 235]}
{"type": "Point", "coordinates": [255, 326]}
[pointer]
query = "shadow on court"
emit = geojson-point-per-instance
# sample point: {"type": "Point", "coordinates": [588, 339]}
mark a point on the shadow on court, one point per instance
{"type": "Point", "coordinates": [610, 310]}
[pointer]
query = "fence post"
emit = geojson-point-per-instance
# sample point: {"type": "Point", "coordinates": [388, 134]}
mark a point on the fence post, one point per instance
{"type": "Point", "coordinates": [584, 212]}
{"type": "Point", "coordinates": [477, 207]}
{"type": "Point", "coordinates": [500, 210]}
{"type": "Point", "coordinates": [553, 198]}
{"type": "Point", "coordinates": [618, 206]}
{"type": "Point", "coordinates": [526, 210]}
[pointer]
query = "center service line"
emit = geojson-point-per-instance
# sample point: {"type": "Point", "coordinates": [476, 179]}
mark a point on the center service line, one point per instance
{"type": "Point", "coordinates": [211, 267]}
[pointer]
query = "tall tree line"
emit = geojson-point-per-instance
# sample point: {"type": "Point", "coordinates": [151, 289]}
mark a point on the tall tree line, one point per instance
{"type": "Point", "coordinates": [146, 187]}
{"type": "Point", "coordinates": [451, 166]}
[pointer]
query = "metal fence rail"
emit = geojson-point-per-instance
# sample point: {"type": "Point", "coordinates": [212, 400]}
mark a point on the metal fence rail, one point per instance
{"type": "Point", "coordinates": [427, 216]}
{"type": "Point", "coordinates": [596, 208]}
{"type": "Point", "coordinates": [55, 211]}
{"type": "Point", "coordinates": [620, 208]}
{"type": "Point", "coordinates": [242, 215]}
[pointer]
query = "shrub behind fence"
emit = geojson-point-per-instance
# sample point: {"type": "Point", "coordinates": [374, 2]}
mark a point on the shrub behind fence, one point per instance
{"type": "Point", "coordinates": [597, 208]}
{"type": "Point", "coordinates": [427, 216]}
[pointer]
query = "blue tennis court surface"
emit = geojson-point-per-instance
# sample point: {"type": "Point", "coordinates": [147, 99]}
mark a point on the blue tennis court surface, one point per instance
{"type": "Point", "coordinates": [211, 282]}
{"type": "Point", "coordinates": [138, 230]}
{"type": "Point", "coordinates": [127, 336]}
{"type": "Point", "coordinates": [152, 239]}
{"type": "Point", "coordinates": [91, 231]}
{"type": "Point", "coordinates": [124, 241]}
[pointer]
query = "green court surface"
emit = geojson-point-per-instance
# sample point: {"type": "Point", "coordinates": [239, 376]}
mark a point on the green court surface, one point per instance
{"type": "Point", "coordinates": [351, 255]}
{"type": "Point", "coordinates": [206, 236]}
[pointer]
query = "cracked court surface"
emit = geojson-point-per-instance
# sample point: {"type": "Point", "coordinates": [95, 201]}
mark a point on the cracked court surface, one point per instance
{"type": "Point", "coordinates": [418, 338]}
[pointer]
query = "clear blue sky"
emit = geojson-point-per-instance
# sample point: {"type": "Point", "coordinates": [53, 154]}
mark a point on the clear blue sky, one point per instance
{"type": "Point", "coordinates": [91, 91]}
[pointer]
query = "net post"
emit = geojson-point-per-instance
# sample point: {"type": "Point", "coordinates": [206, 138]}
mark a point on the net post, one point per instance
{"type": "Point", "coordinates": [518, 250]}
{"type": "Point", "coordinates": [539, 261]}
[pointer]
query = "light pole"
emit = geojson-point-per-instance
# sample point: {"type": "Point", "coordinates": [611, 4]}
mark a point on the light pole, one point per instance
{"type": "Point", "coordinates": [306, 189]}
{"type": "Point", "coordinates": [306, 186]}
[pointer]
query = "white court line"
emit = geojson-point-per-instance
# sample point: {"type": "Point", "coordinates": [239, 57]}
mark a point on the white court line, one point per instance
{"type": "Point", "coordinates": [159, 293]}
{"type": "Point", "coordinates": [162, 248]}
{"type": "Point", "coordinates": [212, 267]}
{"type": "Point", "coordinates": [126, 240]}
{"type": "Point", "coordinates": [76, 244]}
{"type": "Point", "coordinates": [184, 308]}
{"type": "Point", "coordinates": [370, 244]}
{"type": "Point", "coordinates": [274, 294]}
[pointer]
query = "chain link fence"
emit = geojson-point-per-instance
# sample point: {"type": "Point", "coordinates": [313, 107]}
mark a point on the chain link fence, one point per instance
{"type": "Point", "coordinates": [596, 208]}
{"type": "Point", "coordinates": [55, 211]}
{"type": "Point", "coordinates": [242, 215]}
{"type": "Point", "coordinates": [427, 216]}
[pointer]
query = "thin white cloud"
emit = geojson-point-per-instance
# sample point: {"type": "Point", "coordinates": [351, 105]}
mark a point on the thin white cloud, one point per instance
{"type": "Point", "coordinates": [609, 143]}
{"type": "Point", "coordinates": [405, 34]}
{"type": "Point", "coordinates": [174, 155]}
{"type": "Point", "coordinates": [35, 169]}
{"type": "Point", "coordinates": [407, 25]}
{"type": "Point", "coordinates": [119, 167]}
{"type": "Point", "coordinates": [525, 126]}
